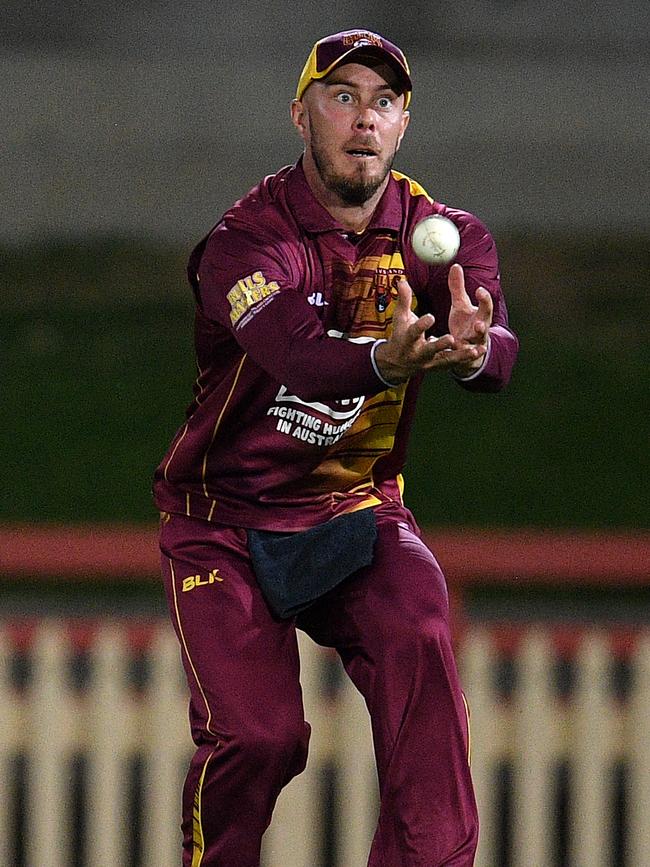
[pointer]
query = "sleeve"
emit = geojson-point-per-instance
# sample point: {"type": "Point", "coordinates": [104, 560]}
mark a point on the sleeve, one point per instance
{"type": "Point", "coordinates": [249, 282]}
{"type": "Point", "coordinates": [479, 259]}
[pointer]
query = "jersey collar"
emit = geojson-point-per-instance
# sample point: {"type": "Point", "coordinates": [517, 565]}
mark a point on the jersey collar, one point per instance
{"type": "Point", "coordinates": [313, 217]}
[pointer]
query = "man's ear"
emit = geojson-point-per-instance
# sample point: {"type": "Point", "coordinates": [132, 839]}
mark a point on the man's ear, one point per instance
{"type": "Point", "coordinates": [406, 117]}
{"type": "Point", "coordinates": [298, 116]}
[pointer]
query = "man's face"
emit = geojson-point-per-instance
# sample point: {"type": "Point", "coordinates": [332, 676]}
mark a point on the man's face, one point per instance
{"type": "Point", "coordinates": [352, 124]}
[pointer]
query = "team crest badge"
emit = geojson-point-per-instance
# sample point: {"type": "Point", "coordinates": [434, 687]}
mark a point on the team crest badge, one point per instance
{"type": "Point", "coordinates": [385, 286]}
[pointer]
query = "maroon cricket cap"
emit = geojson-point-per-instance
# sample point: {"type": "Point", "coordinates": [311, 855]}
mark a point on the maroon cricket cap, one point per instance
{"type": "Point", "coordinates": [332, 51]}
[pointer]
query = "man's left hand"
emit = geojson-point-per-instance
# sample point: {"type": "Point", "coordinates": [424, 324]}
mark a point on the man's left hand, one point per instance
{"type": "Point", "coordinates": [469, 325]}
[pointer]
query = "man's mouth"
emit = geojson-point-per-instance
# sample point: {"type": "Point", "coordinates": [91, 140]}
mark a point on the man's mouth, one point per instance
{"type": "Point", "coordinates": [361, 152]}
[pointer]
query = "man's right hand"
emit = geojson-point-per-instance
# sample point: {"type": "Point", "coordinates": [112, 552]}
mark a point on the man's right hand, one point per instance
{"type": "Point", "coordinates": [409, 350]}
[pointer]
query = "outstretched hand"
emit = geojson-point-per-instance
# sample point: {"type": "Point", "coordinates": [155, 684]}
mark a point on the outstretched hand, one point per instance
{"type": "Point", "coordinates": [409, 350]}
{"type": "Point", "coordinates": [468, 324]}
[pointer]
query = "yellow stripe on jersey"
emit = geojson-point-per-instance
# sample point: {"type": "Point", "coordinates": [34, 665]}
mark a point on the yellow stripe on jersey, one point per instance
{"type": "Point", "coordinates": [218, 423]}
{"type": "Point", "coordinates": [368, 501]}
{"type": "Point", "coordinates": [178, 442]}
{"type": "Point", "coordinates": [360, 488]}
{"type": "Point", "coordinates": [199, 395]}
{"type": "Point", "coordinates": [414, 188]}
{"type": "Point", "coordinates": [469, 730]}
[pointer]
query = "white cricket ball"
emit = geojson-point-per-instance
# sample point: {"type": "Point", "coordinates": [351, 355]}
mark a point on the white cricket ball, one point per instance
{"type": "Point", "coordinates": [435, 240]}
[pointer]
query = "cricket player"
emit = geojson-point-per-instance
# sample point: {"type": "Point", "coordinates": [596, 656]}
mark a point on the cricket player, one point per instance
{"type": "Point", "coordinates": [281, 494]}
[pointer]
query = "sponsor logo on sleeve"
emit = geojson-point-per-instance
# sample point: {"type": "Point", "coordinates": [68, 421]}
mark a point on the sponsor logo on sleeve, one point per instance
{"type": "Point", "coordinates": [247, 293]}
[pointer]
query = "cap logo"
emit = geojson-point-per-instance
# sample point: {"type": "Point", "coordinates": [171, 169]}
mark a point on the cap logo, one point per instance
{"type": "Point", "coordinates": [358, 39]}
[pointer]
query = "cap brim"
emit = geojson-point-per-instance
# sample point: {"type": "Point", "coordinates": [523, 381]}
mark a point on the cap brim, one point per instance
{"type": "Point", "coordinates": [380, 54]}
{"type": "Point", "coordinates": [312, 73]}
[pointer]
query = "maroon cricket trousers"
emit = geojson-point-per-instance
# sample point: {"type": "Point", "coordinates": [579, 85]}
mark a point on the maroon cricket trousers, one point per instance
{"type": "Point", "coordinates": [389, 623]}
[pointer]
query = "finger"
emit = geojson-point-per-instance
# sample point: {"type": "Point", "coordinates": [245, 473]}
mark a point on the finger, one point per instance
{"type": "Point", "coordinates": [417, 329]}
{"type": "Point", "coordinates": [443, 348]}
{"type": "Point", "coordinates": [454, 357]}
{"type": "Point", "coordinates": [476, 336]}
{"type": "Point", "coordinates": [480, 329]}
{"type": "Point", "coordinates": [456, 282]}
{"type": "Point", "coordinates": [424, 351]}
{"type": "Point", "coordinates": [404, 296]}
{"type": "Point", "coordinates": [441, 344]}
{"type": "Point", "coordinates": [402, 310]}
{"type": "Point", "coordinates": [447, 343]}
{"type": "Point", "coordinates": [485, 305]}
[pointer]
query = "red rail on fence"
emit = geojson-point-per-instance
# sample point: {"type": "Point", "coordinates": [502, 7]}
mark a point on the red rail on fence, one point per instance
{"type": "Point", "coordinates": [468, 556]}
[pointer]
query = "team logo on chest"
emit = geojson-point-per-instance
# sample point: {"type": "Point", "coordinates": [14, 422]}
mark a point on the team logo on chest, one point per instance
{"type": "Point", "coordinates": [389, 269]}
{"type": "Point", "coordinates": [364, 292]}
{"type": "Point", "coordinates": [385, 286]}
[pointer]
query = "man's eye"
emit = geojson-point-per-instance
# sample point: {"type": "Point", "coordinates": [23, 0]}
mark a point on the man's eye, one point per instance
{"type": "Point", "coordinates": [344, 97]}
{"type": "Point", "coordinates": [384, 102]}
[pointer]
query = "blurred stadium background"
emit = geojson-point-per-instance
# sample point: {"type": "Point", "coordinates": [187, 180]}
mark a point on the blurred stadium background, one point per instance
{"type": "Point", "coordinates": [128, 130]}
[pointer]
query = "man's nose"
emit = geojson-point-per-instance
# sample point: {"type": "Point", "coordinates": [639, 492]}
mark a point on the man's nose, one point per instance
{"type": "Point", "coordinates": [365, 119]}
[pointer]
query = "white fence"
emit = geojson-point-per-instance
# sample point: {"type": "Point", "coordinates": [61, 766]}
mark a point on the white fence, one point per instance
{"type": "Point", "coordinates": [129, 736]}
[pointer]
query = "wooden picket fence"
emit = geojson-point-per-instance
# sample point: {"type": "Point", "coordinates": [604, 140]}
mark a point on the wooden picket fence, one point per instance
{"type": "Point", "coordinates": [94, 745]}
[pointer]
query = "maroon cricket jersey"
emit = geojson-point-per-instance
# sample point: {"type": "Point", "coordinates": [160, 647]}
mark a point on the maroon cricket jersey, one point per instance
{"type": "Point", "coordinates": [290, 422]}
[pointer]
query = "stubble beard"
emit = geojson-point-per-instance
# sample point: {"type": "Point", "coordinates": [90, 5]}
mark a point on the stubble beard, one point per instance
{"type": "Point", "coordinates": [350, 190]}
